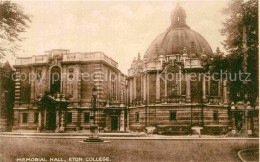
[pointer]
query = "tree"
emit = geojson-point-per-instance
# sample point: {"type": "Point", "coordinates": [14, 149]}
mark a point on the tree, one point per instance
{"type": "Point", "coordinates": [13, 21]}
{"type": "Point", "coordinates": [240, 16]}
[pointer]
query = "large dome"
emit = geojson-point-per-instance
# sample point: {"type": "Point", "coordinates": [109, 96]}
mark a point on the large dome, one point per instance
{"type": "Point", "coordinates": [178, 37]}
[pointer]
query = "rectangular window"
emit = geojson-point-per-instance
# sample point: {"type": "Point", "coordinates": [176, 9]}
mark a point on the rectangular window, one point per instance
{"type": "Point", "coordinates": [214, 88]}
{"type": "Point", "coordinates": [35, 117]}
{"type": "Point", "coordinates": [25, 115]}
{"type": "Point", "coordinates": [86, 117]}
{"type": "Point", "coordinates": [137, 117]}
{"type": "Point", "coordinates": [215, 116]}
{"type": "Point", "coordinates": [173, 115]}
{"type": "Point", "coordinates": [69, 117]}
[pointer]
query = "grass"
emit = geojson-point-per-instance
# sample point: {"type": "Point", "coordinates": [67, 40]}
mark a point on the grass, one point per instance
{"type": "Point", "coordinates": [125, 150]}
{"type": "Point", "coordinates": [250, 155]}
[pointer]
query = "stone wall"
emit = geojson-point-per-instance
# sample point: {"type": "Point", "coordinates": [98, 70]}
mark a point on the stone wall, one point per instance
{"type": "Point", "coordinates": [158, 116]}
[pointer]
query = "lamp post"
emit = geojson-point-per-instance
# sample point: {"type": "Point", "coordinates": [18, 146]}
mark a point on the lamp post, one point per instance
{"type": "Point", "coordinates": [94, 128]}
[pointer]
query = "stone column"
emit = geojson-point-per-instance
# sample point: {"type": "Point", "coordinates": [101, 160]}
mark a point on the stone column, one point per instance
{"type": "Point", "coordinates": [165, 88]}
{"type": "Point", "coordinates": [33, 85]}
{"type": "Point", "coordinates": [148, 86]}
{"type": "Point", "coordinates": [39, 121]}
{"type": "Point", "coordinates": [79, 120]}
{"type": "Point", "coordinates": [62, 127]}
{"type": "Point", "coordinates": [131, 91]}
{"type": "Point", "coordinates": [249, 129]}
{"type": "Point", "coordinates": [122, 121]}
{"type": "Point", "coordinates": [144, 80]}
{"type": "Point", "coordinates": [219, 90]}
{"type": "Point", "coordinates": [45, 118]}
{"type": "Point", "coordinates": [204, 88]}
{"type": "Point", "coordinates": [134, 86]}
{"type": "Point", "coordinates": [225, 91]}
{"type": "Point", "coordinates": [64, 79]}
{"type": "Point", "coordinates": [57, 121]}
{"type": "Point", "coordinates": [158, 98]}
{"type": "Point", "coordinates": [233, 123]}
{"type": "Point", "coordinates": [44, 80]}
{"type": "Point", "coordinates": [188, 96]}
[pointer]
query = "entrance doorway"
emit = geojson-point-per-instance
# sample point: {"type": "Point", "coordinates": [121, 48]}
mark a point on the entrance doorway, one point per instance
{"type": "Point", "coordinates": [239, 120]}
{"type": "Point", "coordinates": [51, 120]}
{"type": "Point", "coordinates": [114, 123]}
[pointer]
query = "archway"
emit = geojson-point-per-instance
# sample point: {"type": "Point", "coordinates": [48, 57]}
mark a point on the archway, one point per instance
{"type": "Point", "coordinates": [55, 80]}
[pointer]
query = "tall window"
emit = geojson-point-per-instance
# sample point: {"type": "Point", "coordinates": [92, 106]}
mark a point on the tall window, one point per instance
{"type": "Point", "coordinates": [173, 115]}
{"type": "Point", "coordinates": [70, 82]}
{"type": "Point", "coordinates": [215, 116]}
{"type": "Point", "coordinates": [69, 117]}
{"type": "Point", "coordinates": [113, 87]}
{"type": "Point", "coordinates": [25, 116]}
{"type": "Point", "coordinates": [36, 117]}
{"type": "Point", "coordinates": [55, 80]}
{"type": "Point", "coordinates": [86, 117]}
{"type": "Point", "coordinates": [136, 116]}
{"type": "Point", "coordinates": [214, 88]}
{"type": "Point", "coordinates": [173, 84]}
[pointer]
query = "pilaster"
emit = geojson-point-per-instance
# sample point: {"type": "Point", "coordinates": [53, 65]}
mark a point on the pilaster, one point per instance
{"type": "Point", "coordinates": [225, 91]}
{"type": "Point", "coordinates": [188, 96]}
{"type": "Point", "coordinates": [204, 89]}
{"type": "Point", "coordinates": [33, 84]}
{"type": "Point", "coordinates": [158, 88]}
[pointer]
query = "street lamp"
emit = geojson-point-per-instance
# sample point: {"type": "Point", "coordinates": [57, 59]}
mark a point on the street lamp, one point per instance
{"type": "Point", "coordinates": [94, 128]}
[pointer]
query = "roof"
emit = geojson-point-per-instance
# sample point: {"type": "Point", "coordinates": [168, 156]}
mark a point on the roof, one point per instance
{"type": "Point", "coordinates": [177, 37]}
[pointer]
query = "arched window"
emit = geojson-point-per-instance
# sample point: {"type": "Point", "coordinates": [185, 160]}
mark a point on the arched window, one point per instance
{"type": "Point", "coordinates": [173, 83]}
{"type": "Point", "coordinates": [55, 80]}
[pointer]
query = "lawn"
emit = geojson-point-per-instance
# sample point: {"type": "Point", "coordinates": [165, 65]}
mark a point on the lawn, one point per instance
{"type": "Point", "coordinates": [125, 150]}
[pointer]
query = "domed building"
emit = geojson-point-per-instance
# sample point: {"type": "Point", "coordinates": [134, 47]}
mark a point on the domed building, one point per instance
{"type": "Point", "coordinates": [169, 90]}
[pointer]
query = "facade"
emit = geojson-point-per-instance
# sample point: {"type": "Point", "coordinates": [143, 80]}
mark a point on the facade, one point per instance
{"type": "Point", "coordinates": [54, 92]}
{"type": "Point", "coordinates": [6, 96]}
{"type": "Point", "coordinates": [169, 90]}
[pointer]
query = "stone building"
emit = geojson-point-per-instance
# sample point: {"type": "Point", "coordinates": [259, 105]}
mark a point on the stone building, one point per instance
{"type": "Point", "coordinates": [54, 92]}
{"type": "Point", "coordinates": [169, 90]}
{"type": "Point", "coordinates": [6, 96]}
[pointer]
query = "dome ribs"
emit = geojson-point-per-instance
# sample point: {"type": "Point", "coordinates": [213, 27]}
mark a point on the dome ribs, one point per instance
{"type": "Point", "coordinates": [177, 37]}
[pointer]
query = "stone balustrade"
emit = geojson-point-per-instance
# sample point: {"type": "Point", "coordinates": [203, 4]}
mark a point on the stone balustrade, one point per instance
{"type": "Point", "coordinates": [66, 57]}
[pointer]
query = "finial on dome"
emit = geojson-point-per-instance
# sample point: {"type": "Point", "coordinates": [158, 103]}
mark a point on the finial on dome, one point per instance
{"type": "Point", "coordinates": [178, 17]}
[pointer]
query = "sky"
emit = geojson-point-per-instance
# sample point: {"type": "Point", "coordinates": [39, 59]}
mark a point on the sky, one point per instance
{"type": "Point", "coordinates": [120, 29]}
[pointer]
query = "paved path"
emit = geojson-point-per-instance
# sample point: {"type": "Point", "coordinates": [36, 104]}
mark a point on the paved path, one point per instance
{"type": "Point", "coordinates": [116, 136]}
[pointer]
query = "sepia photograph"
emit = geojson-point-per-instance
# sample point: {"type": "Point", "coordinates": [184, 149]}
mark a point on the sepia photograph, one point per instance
{"type": "Point", "coordinates": [129, 81]}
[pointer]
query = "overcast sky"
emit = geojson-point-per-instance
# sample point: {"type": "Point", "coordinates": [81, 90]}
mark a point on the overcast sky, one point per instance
{"type": "Point", "coordinates": [119, 29]}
